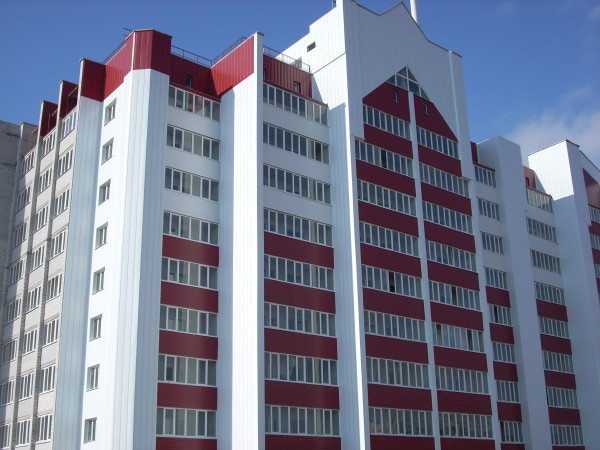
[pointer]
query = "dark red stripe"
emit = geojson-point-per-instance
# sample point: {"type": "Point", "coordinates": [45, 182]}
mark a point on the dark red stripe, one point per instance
{"type": "Point", "coordinates": [384, 396]}
{"type": "Point", "coordinates": [290, 248]}
{"type": "Point", "coordinates": [189, 297]}
{"type": "Point", "coordinates": [505, 371]}
{"type": "Point", "coordinates": [184, 396]}
{"type": "Point", "coordinates": [393, 304]}
{"type": "Point", "coordinates": [301, 394]}
{"type": "Point", "coordinates": [299, 296]}
{"type": "Point", "coordinates": [290, 442]}
{"type": "Point", "coordinates": [556, 344]}
{"type": "Point", "coordinates": [171, 443]}
{"type": "Point", "coordinates": [497, 296]}
{"type": "Point", "coordinates": [388, 141]}
{"type": "Point", "coordinates": [564, 416]}
{"type": "Point", "coordinates": [467, 444]}
{"type": "Point", "coordinates": [512, 447]}
{"type": "Point", "coordinates": [379, 442]}
{"type": "Point", "coordinates": [461, 359]}
{"type": "Point", "coordinates": [559, 379]}
{"type": "Point", "coordinates": [551, 310]}
{"type": "Point", "coordinates": [448, 236]}
{"type": "Point", "coordinates": [382, 98]}
{"type": "Point", "coordinates": [501, 333]}
{"type": "Point", "coordinates": [464, 402]}
{"type": "Point", "coordinates": [509, 412]}
{"type": "Point", "coordinates": [188, 250]}
{"type": "Point", "coordinates": [427, 116]}
{"type": "Point", "coordinates": [289, 342]}
{"type": "Point", "coordinates": [447, 199]}
{"type": "Point", "coordinates": [390, 260]}
{"type": "Point", "coordinates": [453, 315]}
{"type": "Point", "coordinates": [387, 218]}
{"type": "Point", "coordinates": [439, 160]}
{"type": "Point", "coordinates": [183, 344]}
{"type": "Point", "coordinates": [453, 275]}
{"type": "Point", "coordinates": [385, 178]}
{"type": "Point", "coordinates": [398, 349]}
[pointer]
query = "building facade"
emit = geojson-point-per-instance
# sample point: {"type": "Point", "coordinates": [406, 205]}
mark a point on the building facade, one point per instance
{"type": "Point", "coordinates": [295, 250]}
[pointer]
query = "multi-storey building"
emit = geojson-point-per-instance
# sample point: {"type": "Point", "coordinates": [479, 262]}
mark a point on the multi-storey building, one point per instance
{"type": "Point", "coordinates": [295, 250]}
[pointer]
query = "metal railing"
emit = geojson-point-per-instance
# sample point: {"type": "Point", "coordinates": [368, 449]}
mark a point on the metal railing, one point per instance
{"type": "Point", "coordinates": [286, 59]}
{"type": "Point", "coordinates": [191, 56]}
{"type": "Point", "coordinates": [228, 50]}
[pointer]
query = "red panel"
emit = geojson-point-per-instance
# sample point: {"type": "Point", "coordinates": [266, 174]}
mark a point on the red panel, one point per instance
{"type": "Point", "coordinates": [450, 200]}
{"type": "Point", "coordinates": [386, 178]}
{"type": "Point", "coordinates": [390, 260]}
{"type": "Point", "coordinates": [467, 444]}
{"type": "Point", "coordinates": [439, 160]}
{"type": "Point", "coordinates": [388, 218]}
{"type": "Point", "coordinates": [382, 98]}
{"type": "Point", "coordinates": [598, 284]}
{"type": "Point", "coordinates": [285, 75]}
{"type": "Point", "coordinates": [497, 296]}
{"type": "Point", "coordinates": [189, 297]}
{"type": "Point", "coordinates": [509, 411]}
{"type": "Point", "coordinates": [290, 442]}
{"type": "Point", "coordinates": [576, 447]}
{"type": "Point", "coordinates": [281, 341]}
{"type": "Point", "coordinates": [512, 447]}
{"type": "Point", "coordinates": [556, 344]}
{"type": "Point", "coordinates": [187, 250]}
{"type": "Point", "coordinates": [464, 403]}
{"type": "Point", "coordinates": [501, 333]}
{"type": "Point", "coordinates": [595, 228]}
{"type": "Point", "coordinates": [286, 247]}
{"type": "Point", "coordinates": [299, 296]}
{"type": "Point", "coordinates": [559, 379]}
{"type": "Point", "coordinates": [184, 396]}
{"type": "Point", "coordinates": [92, 80]}
{"type": "Point", "coordinates": [235, 67]}
{"type": "Point", "coordinates": [432, 120]}
{"type": "Point", "coordinates": [68, 98]}
{"type": "Point", "coordinates": [170, 443]}
{"type": "Point", "coordinates": [202, 82]}
{"type": "Point", "coordinates": [452, 275]}
{"type": "Point", "coordinates": [388, 141]}
{"type": "Point", "coordinates": [593, 189]}
{"type": "Point", "coordinates": [448, 236]}
{"type": "Point", "coordinates": [152, 50]}
{"type": "Point", "coordinates": [453, 315]}
{"type": "Point", "coordinates": [505, 371]}
{"type": "Point", "coordinates": [301, 394]}
{"type": "Point", "coordinates": [529, 176]}
{"type": "Point", "coordinates": [596, 255]}
{"type": "Point", "coordinates": [184, 344]}
{"type": "Point", "coordinates": [564, 416]}
{"type": "Point", "coordinates": [474, 155]}
{"type": "Point", "coordinates": [552, 310]}
{"type": "Point", "coordinates": [379, 442]}
{"type": "Point", "coordinates": [399, 397]}
{"type": "Point", "coordinates": [461, 359]}
{"type": "Point", "coordinates": [393, 304]}
{"type": "Point", "coordinates": [47, 117]}
{"type": "Point", "coordinates": [399, 349]}
{"type": "Point", "coordinates": [118, 66]}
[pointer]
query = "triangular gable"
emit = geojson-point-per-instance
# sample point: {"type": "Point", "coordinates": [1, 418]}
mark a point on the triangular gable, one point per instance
{"type": "Point", "coordinates": [404, 79]}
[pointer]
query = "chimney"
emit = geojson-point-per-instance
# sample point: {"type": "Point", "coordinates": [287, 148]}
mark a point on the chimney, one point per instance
{"type": "Point", "coordinates": [413, 11]}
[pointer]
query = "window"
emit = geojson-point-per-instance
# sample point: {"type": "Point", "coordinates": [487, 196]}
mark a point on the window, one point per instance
{"type": "Point", "coordinates": [23, 198]}
{"type": "Point", "coordinates": [65, 161]}
{"type": "Point", "coordinates": [19, 234]}
{"type": "Point", "coordinates": [30, 340]}
{"type": "Point", "coordinates": [299, 320]}
{"type": "Point", "coordinates": [196, 104]}
{"type": "Point", "coordinates": [539, 199]}
{"type": "Point", "coordinates": [566, 435]}
{"type": "Point", "coordinates": [395, 95]}
{"type": "Point", "coordinates": [28, 162]}
{"type": "Point", "coordinates": [58, 243]}
{"type": "Point", "coordinates": [92, 377]}
{"type": "Point", "coordinates": [545, 261]}
{"type": "Point", "coordinates": [13, 310]}
{"type": "Point", "coordinates": [49, 142]}
{"type": "Point", "coordinates": [594, 214]}
{"type": "Point", "coordinates": [466, 425]}
{"type": "Point", "coordinates": [193, 143]}
{"type": "Point", "coordinates": [500, 315]}
{"type": "Point", "coordinates": [302, 369]}
{"type": "Point", "coordinates": [297, 227]}
{"type": "Point", "coordinates": [457, 337]}
{"type": "Point", "coordinates": [595, 240]}
{"type": "Point", "coordinates": [89, 430]}
{"type": "Point", "coordinates": [386, 198]}
{"type": "Point", "coordinates": [398, 327]}
{"type": "Point", "coordinates": [553, 327]}
{"type": "Point", "coordinates": [549, 293]}
{"type": "Point", "coordinates": [541, 230]}
{"type": "Point", "coordinates": [386, 122]}
{"type": "Point", "coordinates": [190, 228]}
{"type": "Point", "coordinates": [561, 397]}
{"type": "Point", "coordinates": [44, 180]}
{"type": "Point", "coordinates": [496, 278]}
{"type": "Point", "coordinates": [188, 183]}
{"type": "Point", "coordinates": [26, 386]}
{"type": "Point", "coordinates": [492, 243]}
{"type": "Point", "coordinates": [50, 332]}
{"type": "Point", "coordinates": [388, 239]}
{"type": "Point", "coordinates": [33, 298]}
{"type": "Point", "coordinates": [454, 295]}
{"type": "Point", "coordinates": [7, 391]}
{"type": "Point", "coordinates": [400, 422]}
{"type": "Point", "coordinates": [189, 273]}
{"type": "Point", "coordinates": [451, 256]}
{"type": "Point", "coordinates": [294, 104]}
{"type": "Point", "coordinates": [15, 272]}
{"type": "Point", "coordinates": [95, 327]}
{"type": "Point", "coordinates": [48, 378]}
{"type": "Point", "coordinates": [436, 142]}
{"type": "Point", "coordinates": [44, 428]}
{"type": "Point", "coordinates": [101, 235]}
{"type": "Point", "coordinates": [296, 272]}
{"type": "Point", "coordinates": [5, 435]}
{"type": "Point", "coordinates": [485, 175]}
{"type": "Point", "coordinates": [504, 352]}
{"type": "Point", "coordinates": [300, 185]}
{"type": "Point", "coordinates": [109, 112]}
{"type": "Point", "coordinates": [23, 430]}
{"type": "Point", "coordinates": [186, 320]}
{"type": "Point", "coordinates": [107, 151]}
{"type": "Point", "coordinates": [54, 287]}
{"type": "Point", "coordinates": [511, 432]}
{"type": "Point", "coordinates": [383, 158]}
{"type": "Point", "coordinates": [508, 391]}
{"type": "Point", "coordinates": [10, 350]}
{"type": "Point", "coordinates": [461, 380]}
{"type": "Point", "coordinates": [404, 79]}
{"type": "Point", "coordinates": [296, 86]}
{"type": "Point", "coordinates": [61, 202]}
{"type": "Point", "coordinates": [397, 373]}
{"type": "Point", "coordinates": [489, 209]}
{"type": "Point", "coordinates": [308, 421]}
{"type": "Point", "coordinates": [41, 217]}
{"type": "Point", "coordinates": [295, 143]}
{"type": "Point", "coordinates": [444, 180]}
{"type": "Point", "coordinates": [104, 192]}
{"type": "Point", "coordinates": [189, 81]}
{"type": "Point", "coordinates": [186, 422]}
{"type": "Point", "coordinates": [194, 371]}
{"type": "Point", "coordinates": [68, 124]}
{"type": "Point", "coordinates": [388, 281]}
{"type": "Point", "coordinates": [447, 217]}
{"type": "Point", "coordinates": [98, 281]}
{"type": "Point", "coordinates": [37, 257]}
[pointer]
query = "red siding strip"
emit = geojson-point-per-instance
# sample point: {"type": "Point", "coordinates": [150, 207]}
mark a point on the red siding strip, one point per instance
{"type": "Point", "coordinates": [467, 444]}
{"type": "Point", "coordinates": [399, 397]}
{"type": "Point", "coordinates": [596, 255]}
{"type": "Point", "coordinates": [559, 379]}
{"type": "Point", "coordinates": [289, 442]}
{"type": "Point", "coordinates": [577, 447]}
{"type": "Point", "coordinates": [509, 411]}
{"type": "Point", "coordinates": [512, 447]}
{"type": "Point", "coordinates": [551, 310]}
{"type": "Point", "coordinates": [152, 50]}
{"type": "Point", "coordinates": [68, 98]}
{"type": "Point", "coordinates": [287, 247]}
{"type": "Point", "coordinates": [530, 175]}
{"type": "Point", "coordinates": [181, 68]}
{"type": "Point", "coordinates": [474, 155]}
{"type": "Point", "coordinates": [118, 66]}
{"type": "Point", "coordinates": [398, 349]}
{"type": "Point", "coordinates": [447, 199]}
{"type": "Point", "coordinates": [388, 141]}
{"type": "Point", "coordinates": [193, 251]}
{"type": "Point", "coordinates": [184, 396]}
{"type": "Point", "coordinates": [564, 416]}
{"type": "Point", "coordinates": [453, 315]}
{"type": "Point", "coordinates": [289, 342]}
{"type": "Point", "coordinates": [382, 98]}
{"type": "Point", "coordinates": [170, 443]}
{"type": "Point", "coordinates": [497, 296]}
{"type": "Point", "coordinates": [439, 160]}
{"type": "Point", "coordinates": [192, 345]}
{"type": "Point", "coordinates": [284, 75]}
{"type": "Point", "coordinates": [390, 260]}
{"type": "Point", "coordinates": [393, 304]}
{"type": "Point", "coordinates": [427, 116]}
{"type": "Point", "coordinates": [593, 189]}
{"type": "Point", "coordinates": [464, 403]}
{"type": "Point", "coordinates": [386, 178]}
{"type": "Point", "coordinates": [299, 296]}
{"type": "Point", "coordinates": [379, 442]}
{"type": "Point", "coordinates": [448, 236]}
{"type": "Point", "coordinates": [388, 218]}
{"type": "Point", "coordinates": [188, 297]}
{"type": "Point", "coordinates": [505, 371]}
{"type": "Point", "coordinates": [92, 80]}
{"type": "Point", "coordinates": [556, 344]}
{"type": "Point", "coordinates": [501, 333]}
{"type": "Point", "coordinates": [461, 359]}
{"type": "Point", "coordinates": [234, 68]}
{"type": "Point", "coordinates": [301, 394]}
{"type": "Point", "coordinates": [452, 275]}
{"type": "Point", "coordinates": [595, 227]}
{"type": "Point", "coordinates": [47, 117]}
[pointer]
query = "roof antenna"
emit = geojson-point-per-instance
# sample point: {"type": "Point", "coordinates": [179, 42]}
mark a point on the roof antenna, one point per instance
{"type": "Point", "coordinates": [413, 11]}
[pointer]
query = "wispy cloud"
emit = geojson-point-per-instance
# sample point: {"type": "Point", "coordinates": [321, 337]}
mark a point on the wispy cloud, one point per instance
{"type": "Point", "coordinates": [594, 14]}
{"type": "Point", "coordinates": [504, 9]}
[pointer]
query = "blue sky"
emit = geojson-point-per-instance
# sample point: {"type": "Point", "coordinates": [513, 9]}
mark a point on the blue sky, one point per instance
{"type": "Point", "coordinates": [532, 68]}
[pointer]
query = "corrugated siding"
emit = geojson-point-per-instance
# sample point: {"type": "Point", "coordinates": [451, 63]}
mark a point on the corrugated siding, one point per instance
{"type": "Point", "coordinates": [288, 442]}
{"type": "Point", "coordinates": [299, 296]}
{"type": "Point", "coordinates": [170, 443]}
{"type": "Point", "coordinates": [439, 160]}
{"type": "Point", "coordinates": [399, 349]}
{"type": "Point", "coordinates": [298, 250]}
{"type": "Point", "coordinates": [388, 141]}
{"type": "Point", "coordinates": [509, 412]}
{"type": "Point", "coordinates": [282, 341]}
{"type": "Point", "coordinates": [384, 396]}
{"type": "Point", "coordinates": [387, 218]}
{"type": "Point", "coordinates": [390, 260]}
{"type": "Point", "coordinates": [193, 251]}
{"type": "Point", "coordinates": [408, 442]}
{"type": "Point", "coordinates": [393, 304]}
{"type": "Point", "coordinates": [453, 275]}
{"type": "Point", "coordinates": [453, 315]}
{"type": "Point", "coordinates": [461, 359]}
{"type": "Point", "coordinates": [301, 394]}
{"type": "Point", "coordinates": [445, 235]}
{"type": "Point", "coordinates": [186, 396]}
{"type": "Point", "coordinates": [234, 68]}
{"type": "Point", "coordinates": [189, 297]}
{"type": "Point", "coordinates": [501, 333]}
{"type": "Point", "coordinates": [184, 344]}
{"type": "Point", "coordinates": [445, 198]}
{"type": "Point", "coordinates": [383, 177]}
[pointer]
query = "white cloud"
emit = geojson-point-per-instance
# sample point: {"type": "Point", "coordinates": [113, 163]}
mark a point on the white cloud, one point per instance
{"type": "Point", "coordinates": [594, 13]}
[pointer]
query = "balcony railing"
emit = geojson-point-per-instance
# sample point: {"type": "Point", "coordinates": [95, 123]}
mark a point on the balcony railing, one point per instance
{"type": "Point", "coordinates": [286, 59]}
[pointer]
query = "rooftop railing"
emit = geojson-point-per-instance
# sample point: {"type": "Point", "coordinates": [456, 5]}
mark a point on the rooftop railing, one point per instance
{"type": "Point", "coordinates": [286, 59]}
